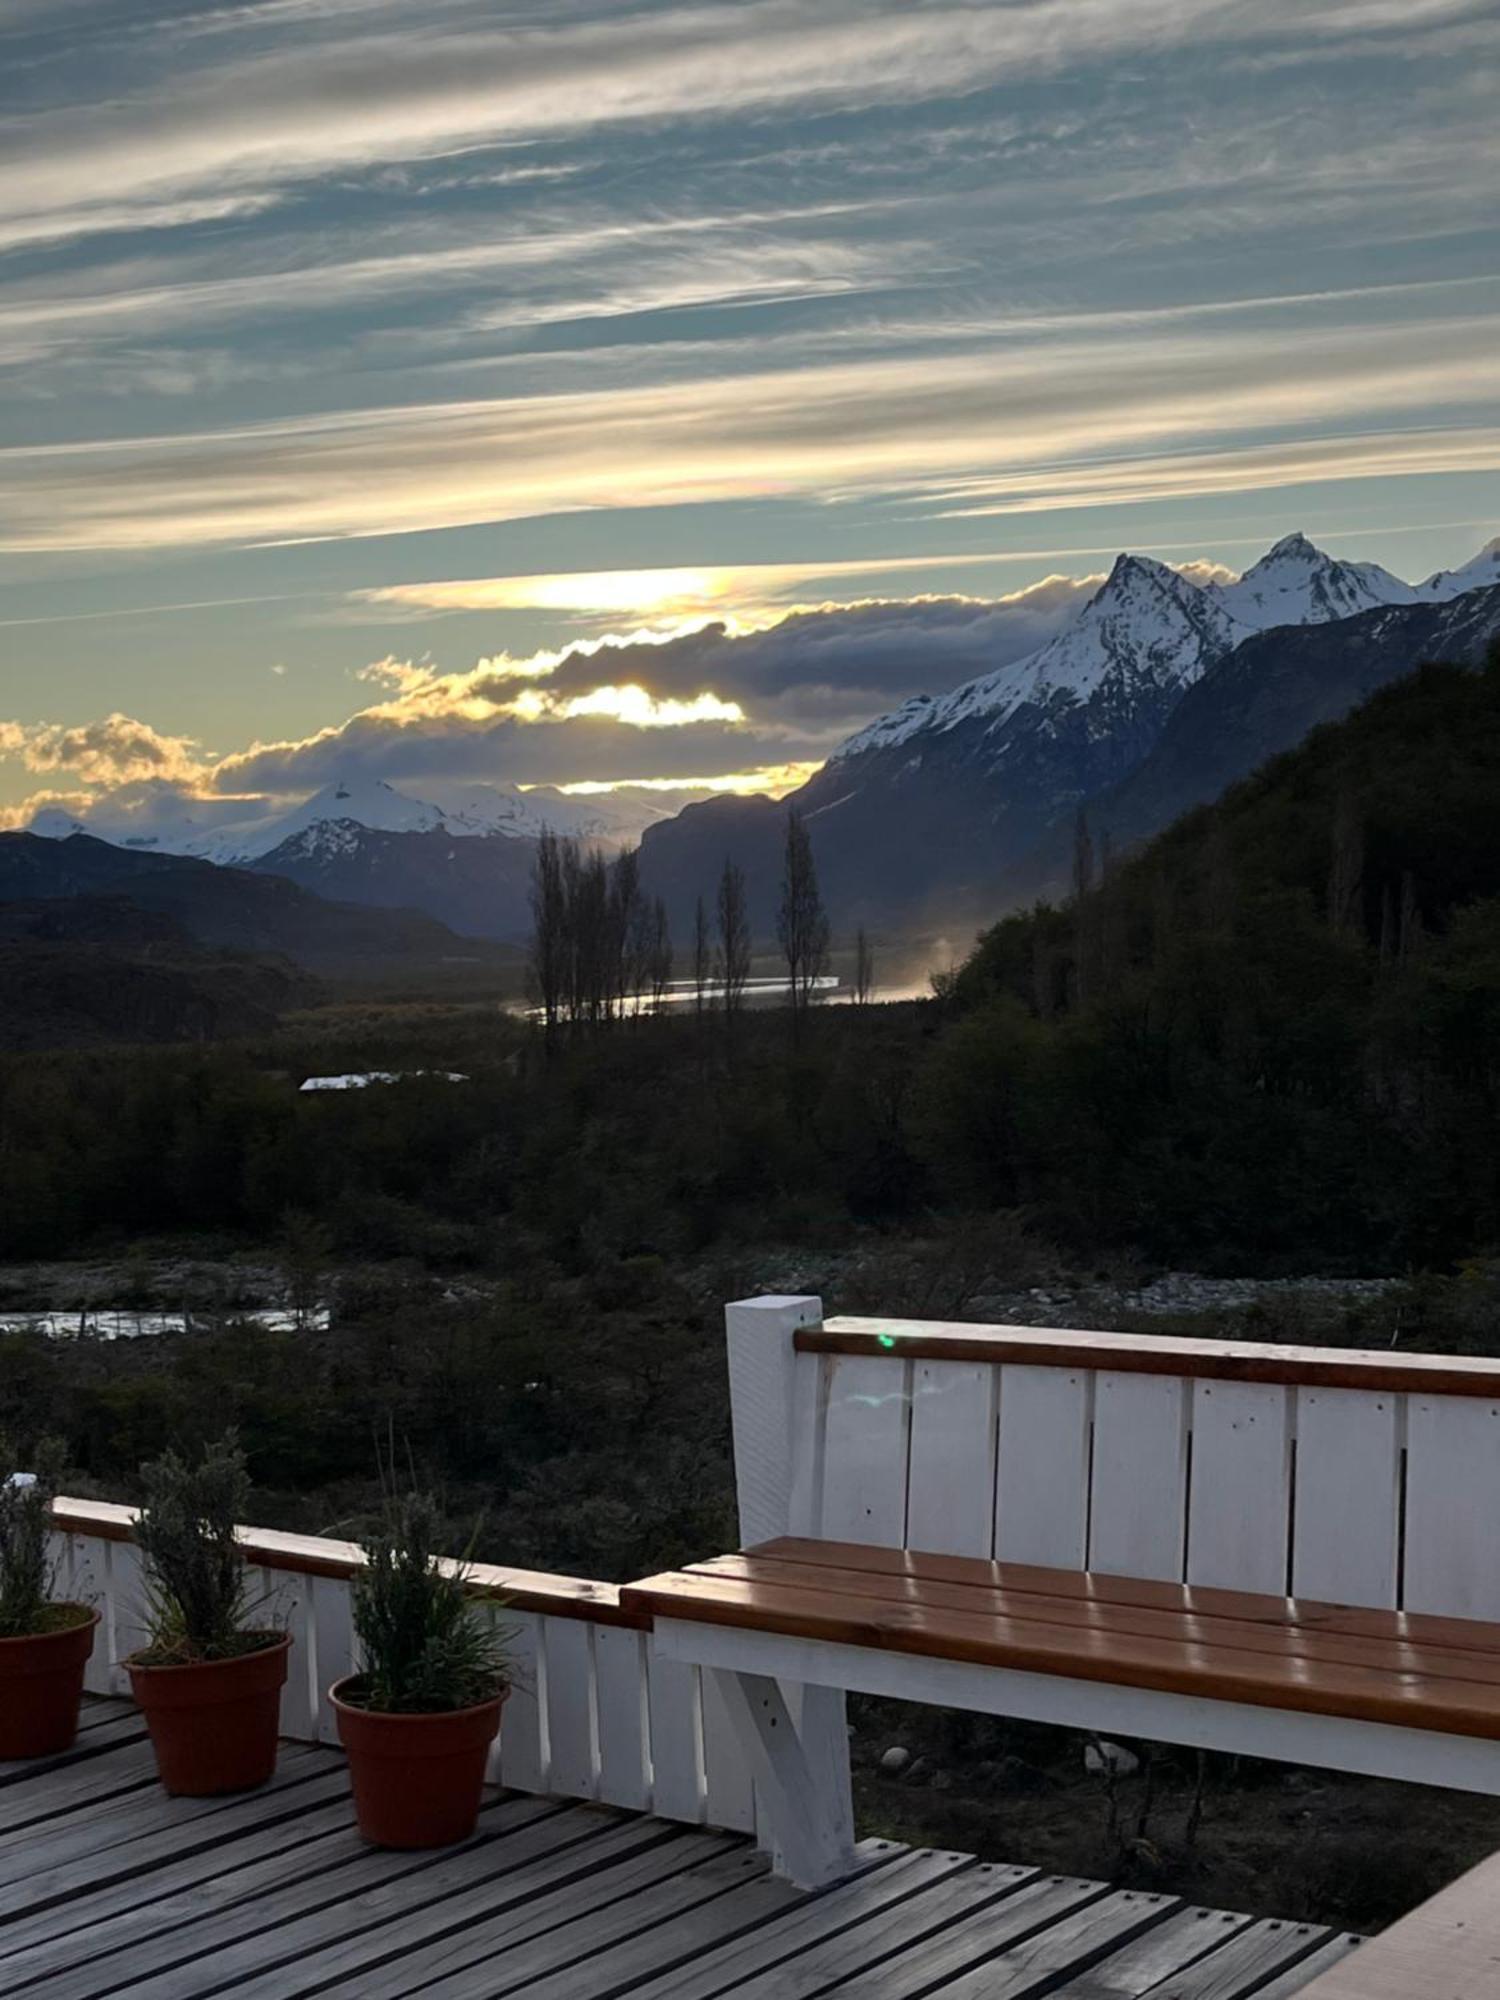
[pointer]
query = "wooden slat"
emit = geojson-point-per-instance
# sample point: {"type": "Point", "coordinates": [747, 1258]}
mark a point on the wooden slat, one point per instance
{"type": "Point", "coordinates": [1138, 1498]}
{"type": "Point", "coordinates": [1090, 1933]}
{"type": "Point", "coordinates": [1204, 1601]}
{"type": "Point", "coordinates": [572, 1736]}
{"type": "Point", "coordinates": [1276, 1633]}
{"type": "Point", "coordinates": [519, 1758]}
{"type": "Point", "coordinates": [317, 1555]}
{"type": "Point", "coordinates": [1264, 1951]}
{"type": "Point", "coordinates": [643, 1904]}
{"type": "Point", "coordinates": [1042, 1475]}
{"type": "Point", "coordinates": [120, 1908]}
{"type": "Point", "coordinates": [1402, 1688]}
{"type": "Point", "coordinates": [1240, 1490]}
{"type": "Point", "coordinates": [97, 1827]}
{"type": "Point", "coordinates": [896, 1883]}
{"type": "Point", "coordinates": [674, 1708]}
{"type": "Point", "coordinates": [377, 1886]}
{"type": "Point", "coordinates": [951, 1484]}
{"type": "Point", "coordinates": [908, 1949]}
{"type": "Point", "coordinates": [1452, 1561]}
{"type": "Point", "coordinates": [624, 1743]}
{"type": "Point", "coordinates": [1154, 1354]}
{"type": "Point", "coordinates": [1348, 1495]}
{"type": "Point", "coordinates": [1143, 1964]}
{"type": "Point", "coordinates": [865, 1440]}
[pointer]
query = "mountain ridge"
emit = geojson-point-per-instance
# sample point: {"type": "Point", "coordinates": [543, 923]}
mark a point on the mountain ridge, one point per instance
{"type": "Point", "coordinates": [929, 815]}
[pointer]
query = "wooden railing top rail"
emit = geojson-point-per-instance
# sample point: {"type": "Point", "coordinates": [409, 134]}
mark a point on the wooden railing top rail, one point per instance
{"type": "Point", "coordinates": [1155, 1354]}
{"type": "Point", "coordinates": [317, 1555]}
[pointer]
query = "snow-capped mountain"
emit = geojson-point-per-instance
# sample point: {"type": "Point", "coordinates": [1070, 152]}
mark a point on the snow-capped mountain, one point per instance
{"type": "Point", "coordinates": [953, 804]}
{"type": "Point", "coordinates": [1479, 574]}
{"type": "Point", "coordinates": [212, 830]}
{"type": "Point", "coordinates": [1149, 626]}
{"type": "Point", "coordinates": [1295, 583]}
{"type": "Point", "coordinates": [1146, 625]}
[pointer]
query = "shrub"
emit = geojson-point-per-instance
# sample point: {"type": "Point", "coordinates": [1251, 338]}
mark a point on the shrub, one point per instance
{"type": "Point", "coordinates": [26, 1567]}
{"type": "Point", "coordinates": [427, 1647]}
{"type": "Point", "coordinates": [195, 1574]}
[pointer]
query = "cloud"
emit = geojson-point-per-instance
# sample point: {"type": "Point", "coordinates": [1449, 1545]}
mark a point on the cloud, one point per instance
{"type": "Point", "coordinates": [115, 750]}
{"type": "Point", "coordinates": [674, 708]}
{"type": "Point", "coordinates": [1047, 415]}
{"type": "Point", "coordinates": [695, 709]}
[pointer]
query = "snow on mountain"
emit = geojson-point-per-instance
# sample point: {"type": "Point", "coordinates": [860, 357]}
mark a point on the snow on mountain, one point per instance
{"type": "Point", "coordinates": [1476, 575]}
{"type": "Point", "coordinates": [1149, 628]}
{"type": "Point", "coordinates": [1295, 583]}
{"type": "Point", "coordinates": [329, 822]}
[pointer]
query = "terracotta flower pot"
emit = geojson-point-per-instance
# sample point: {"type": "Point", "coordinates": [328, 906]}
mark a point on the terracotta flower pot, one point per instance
{"type": "Point", "coordinates": [418, 1779]}
{"type": "Point", "coordinates": [41, 1685]}
{"type": "Point", "coordinates": [214, 1725]}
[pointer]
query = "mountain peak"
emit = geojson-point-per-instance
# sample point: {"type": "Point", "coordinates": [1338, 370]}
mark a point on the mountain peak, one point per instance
{"type": "Point", "coordinates": [1129, 568]}
{"type": "Point", "coordinates": [1294, 546]}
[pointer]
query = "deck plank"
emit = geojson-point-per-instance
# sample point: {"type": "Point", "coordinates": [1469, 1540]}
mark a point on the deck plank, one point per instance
{"type": "Point", "coordinates": [375, 1886]}
{"type": "Point", "coordinates": [96, 1826]}
{"type": "Point", "coordinates": [107, 1887]}
{"type": "Point", "coordinates": [1146, 1962]}
{"type": "Point", "coordinates": [1261, 1952]}
{"type": "Point", "coordinates": [522, 1945]}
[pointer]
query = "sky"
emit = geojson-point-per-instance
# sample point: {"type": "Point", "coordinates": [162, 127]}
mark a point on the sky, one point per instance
{"type": "Point", "coordinates": [592, 392]}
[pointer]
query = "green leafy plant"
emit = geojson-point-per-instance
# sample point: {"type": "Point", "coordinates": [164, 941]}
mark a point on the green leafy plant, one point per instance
{"type": "Point", "coordinates": [427, 1646]}
{"type": "Point", "coordinates": [195, 1574]}
{"type": "Point", "coordinates": [27, 1491]}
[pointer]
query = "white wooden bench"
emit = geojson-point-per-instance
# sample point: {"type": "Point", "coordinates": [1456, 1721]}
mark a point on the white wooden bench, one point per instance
{"type": "Point", "coordinates": [1290, 1553]}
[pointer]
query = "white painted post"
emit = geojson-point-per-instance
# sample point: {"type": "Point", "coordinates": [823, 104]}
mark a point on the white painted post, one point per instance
{"type": "Point", "coordinates": [801, 1773]}
{"type": "Point", "coordinates": [762, 1372]}
{"type": "Point", "coordinates": [773, 1406]}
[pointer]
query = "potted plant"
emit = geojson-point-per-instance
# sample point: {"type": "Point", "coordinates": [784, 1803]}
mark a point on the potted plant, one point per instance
{"type": "Point", "coordinates": [44, 1644]}
{"type": "Point", "coordinates": [209, 1681]}
{"type": "Point", "coordinates": [417, 1722]}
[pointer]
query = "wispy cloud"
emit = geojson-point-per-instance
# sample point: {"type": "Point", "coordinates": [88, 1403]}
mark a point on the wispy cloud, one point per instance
{"type": "Point", "coordinates": [1047, 411]}
{"type": "Point", "coordinates": [345, 101]}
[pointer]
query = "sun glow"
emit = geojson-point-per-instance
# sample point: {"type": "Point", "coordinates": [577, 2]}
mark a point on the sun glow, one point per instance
{"type": "Point", "coordinates": [775, 779]}
{"type": "Point", "coordinates": [630, 704]}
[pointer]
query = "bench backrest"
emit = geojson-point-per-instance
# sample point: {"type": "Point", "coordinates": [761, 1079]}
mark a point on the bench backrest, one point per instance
{"type": "Point", "coordinates": [1344, 1475]}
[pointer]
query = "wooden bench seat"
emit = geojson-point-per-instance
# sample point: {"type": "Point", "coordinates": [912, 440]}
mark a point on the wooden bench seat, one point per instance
{"type": "Point", "coordinates": [787, 1626]}
{"type": "Point", "coordinates": [1384, 1667]}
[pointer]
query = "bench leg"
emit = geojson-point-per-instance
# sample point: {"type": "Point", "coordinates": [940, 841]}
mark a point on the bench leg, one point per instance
{"type": "Point", "coordinates": [801, 1772]}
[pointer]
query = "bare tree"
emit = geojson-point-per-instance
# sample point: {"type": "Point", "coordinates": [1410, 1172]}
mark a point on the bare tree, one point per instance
{"type": "Point", "coordinates": [864, 968]}
{"type": "Point", "coordinates": [802, 922]}
{"type": "Point", "coordinates": [659, 955]}
{"type": "Point", "coordinates": [703, 959]}
{"type": "Point", "coordinates": [549, 929]}
{"type": "Point", "coordinates": [733, 955]}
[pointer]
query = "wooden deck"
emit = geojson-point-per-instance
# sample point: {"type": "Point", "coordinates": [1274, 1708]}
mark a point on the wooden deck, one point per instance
{"type": "Point", "coordinates": [108, 1887]}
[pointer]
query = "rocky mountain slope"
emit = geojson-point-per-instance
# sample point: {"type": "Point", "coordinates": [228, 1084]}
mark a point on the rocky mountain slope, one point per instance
{"type": "Point", "coordinates": [479, 888]}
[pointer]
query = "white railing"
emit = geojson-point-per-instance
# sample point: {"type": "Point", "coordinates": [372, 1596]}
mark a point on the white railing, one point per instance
{"type": "Point", "coordinates": [592, 1715]}
{"type": "Point", "coordinates": [1358, 1477]}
